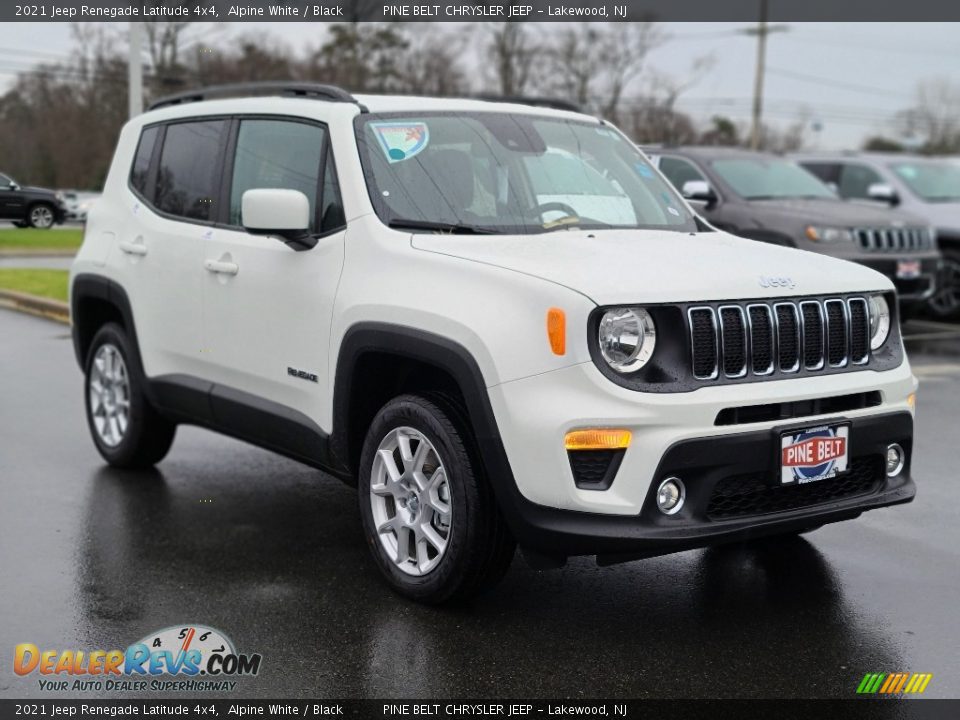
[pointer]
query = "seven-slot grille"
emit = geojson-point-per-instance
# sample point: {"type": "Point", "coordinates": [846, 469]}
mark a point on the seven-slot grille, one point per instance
{"type": "Point", "coordinates": [894, 239]}
{"type": "Point", "coordinates": [781, 337]}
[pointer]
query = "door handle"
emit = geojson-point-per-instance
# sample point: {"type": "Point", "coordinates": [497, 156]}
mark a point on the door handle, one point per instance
{"type": "Point", "coordinates": [221, 267]}
{"type": "Point", "coordinates": [133, 248]}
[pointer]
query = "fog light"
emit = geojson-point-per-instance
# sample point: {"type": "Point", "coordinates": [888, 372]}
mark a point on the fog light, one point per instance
{"type": "Point", "coordinates": [895, 458]}
{"type": "Point", "coordinates": [670, 495]}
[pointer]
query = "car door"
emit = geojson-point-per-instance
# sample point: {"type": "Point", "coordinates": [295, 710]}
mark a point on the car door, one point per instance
{"type": "Point", "coordinates": [678, 171]}
{"type": "Point", "coordinates": [11, 200]}
{"type": "Point", "coordinates": [175, 178]}
{"type": "Point", "coordinates": [855, 181]}
{"type": "Point", "coordinates": [268, 307]}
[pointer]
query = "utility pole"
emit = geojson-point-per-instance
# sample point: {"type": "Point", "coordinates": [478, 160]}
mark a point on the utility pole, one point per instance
{"type": "Point", "coordinates": [135, 70]}
{"type": "Point", "coordinates": [761, 31]}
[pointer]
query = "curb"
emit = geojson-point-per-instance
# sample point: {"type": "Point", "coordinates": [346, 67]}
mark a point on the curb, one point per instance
{"type": "Point", "coordinates": [36, 252]}
{"type": "Point", "coordinates": [35, 305]}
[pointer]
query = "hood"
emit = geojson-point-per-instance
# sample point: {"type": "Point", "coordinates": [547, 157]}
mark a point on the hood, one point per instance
{"type": "Point", "coordinates": [647, 266]}
{"type": "Point", "coordinates": [38, 190]}
{"type": "Point", "coordinates": [943, 216]}
{"type": "Point", "coordinates": [838, 213]}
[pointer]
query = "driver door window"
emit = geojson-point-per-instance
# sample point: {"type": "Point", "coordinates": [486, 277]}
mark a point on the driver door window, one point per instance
{"type": "Point", "coordinates": [679, 171]}
{"type": "Point", "coordinates": [277, 154]}
{"type": "Point", "coordinates": [855, 180]}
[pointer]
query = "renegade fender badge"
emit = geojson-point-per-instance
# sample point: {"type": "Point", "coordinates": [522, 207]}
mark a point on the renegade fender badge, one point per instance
{"type": "Point", "coordinates": [302, 374]}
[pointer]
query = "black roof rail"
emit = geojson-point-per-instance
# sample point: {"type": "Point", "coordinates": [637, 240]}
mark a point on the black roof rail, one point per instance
{"type": "Point", "coordinates": [256, 89]}
{"type": "Point", "coordinates": [547, 102]}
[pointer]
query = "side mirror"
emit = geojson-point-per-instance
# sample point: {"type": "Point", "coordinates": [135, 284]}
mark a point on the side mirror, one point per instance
{"type": "Point", "coordinates": [699, 192]}
{"type": "Point", "coordinates": [881, 192]}
{"type": "Point", "coordinates": [13, 185]}
{"type": "Point", "coordinates": [284, 213]}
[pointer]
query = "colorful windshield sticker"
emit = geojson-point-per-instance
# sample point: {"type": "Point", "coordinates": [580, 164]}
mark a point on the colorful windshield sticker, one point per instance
{"type": "Point", "coordinates": [644, 171]}
{"type": "Point", "coordinates": [401, 140]}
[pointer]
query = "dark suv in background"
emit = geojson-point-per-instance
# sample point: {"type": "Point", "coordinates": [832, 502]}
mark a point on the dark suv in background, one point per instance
{"type": "Point", "coordinates": [768, 198]}
{"type": "Point", "coordinates": [29, 206]}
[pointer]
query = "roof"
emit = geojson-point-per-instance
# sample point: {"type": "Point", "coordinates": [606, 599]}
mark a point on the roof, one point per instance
{"type": "Point", "coordinates": [290, 91]}
{"type": "Point", "coordinates": [715, 152]}
{"type": "Point", "coordinates": [863, 155]}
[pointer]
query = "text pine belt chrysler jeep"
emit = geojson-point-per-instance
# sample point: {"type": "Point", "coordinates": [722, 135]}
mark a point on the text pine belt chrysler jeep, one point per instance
{"type": "Point", "coordinates": [498, 321]}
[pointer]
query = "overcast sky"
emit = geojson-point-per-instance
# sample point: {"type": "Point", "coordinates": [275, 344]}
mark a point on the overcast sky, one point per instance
{"type": "Point", "coordinates": [847, 78]}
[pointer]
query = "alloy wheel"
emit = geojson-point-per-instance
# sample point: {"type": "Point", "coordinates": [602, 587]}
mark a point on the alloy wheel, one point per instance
{"type": "Point", "coordinates": [109, 390]}
{"type": "Point", "coordinates": [411, 501]}
{"type": "Point", "coordinates": [41, 217]}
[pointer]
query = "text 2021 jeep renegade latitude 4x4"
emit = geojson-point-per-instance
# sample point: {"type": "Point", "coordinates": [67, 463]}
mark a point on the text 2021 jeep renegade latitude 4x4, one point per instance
{"type": "Point", "coordinates": [498, 320]}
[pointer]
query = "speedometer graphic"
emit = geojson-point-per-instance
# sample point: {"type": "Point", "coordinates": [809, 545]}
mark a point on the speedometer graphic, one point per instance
{"type": "Point", "coordinates": [198, 642]}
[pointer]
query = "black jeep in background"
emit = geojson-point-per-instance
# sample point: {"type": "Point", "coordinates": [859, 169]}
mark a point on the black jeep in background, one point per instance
{"type": "Point", "coordinates": [29, 206]}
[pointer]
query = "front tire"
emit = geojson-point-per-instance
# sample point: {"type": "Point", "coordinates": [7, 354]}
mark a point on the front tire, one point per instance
{"type": "Point", "coordinates": [429, 514]}
{"type": "Point", "coordinates": [945, 303]}
{"type": "Point", "coordinates": [127, 431]}
{"type": "Point", "coordinates": [41, 216]}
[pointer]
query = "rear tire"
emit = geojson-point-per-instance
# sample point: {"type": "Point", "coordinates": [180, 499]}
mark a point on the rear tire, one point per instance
{"type": "Point", "coordinates": [127, 431]}
{"type": "Point", "coordinates": [429, 514]}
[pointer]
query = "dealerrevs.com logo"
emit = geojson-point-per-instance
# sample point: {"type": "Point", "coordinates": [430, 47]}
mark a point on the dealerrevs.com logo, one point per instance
{"type": "Point", "coordinates": [183, 657]}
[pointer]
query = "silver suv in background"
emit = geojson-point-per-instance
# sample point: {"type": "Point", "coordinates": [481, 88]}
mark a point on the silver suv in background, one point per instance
{"type": "Point", "coordinates": [927, 187]}
{"type": "Point", "coordinates": [769, 198]}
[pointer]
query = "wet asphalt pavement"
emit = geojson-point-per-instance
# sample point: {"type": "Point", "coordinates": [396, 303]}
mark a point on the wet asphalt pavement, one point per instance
{"type": "Point", "coordinates": [270, 552]}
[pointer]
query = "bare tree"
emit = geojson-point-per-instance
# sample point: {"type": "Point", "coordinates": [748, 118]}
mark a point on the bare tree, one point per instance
{"type": "Point", "coordinates": [164, 43]}
{"type": "Point", "coordinates": [512, 52]}
{"type": "Point", "coordinates": [653, 118]}
{"type": "Point", "coordinates": [432, 64]}
{"type": "Point", "coordinates": [935, 116]}
{"type": "Point", "coordinates": [593, 64]}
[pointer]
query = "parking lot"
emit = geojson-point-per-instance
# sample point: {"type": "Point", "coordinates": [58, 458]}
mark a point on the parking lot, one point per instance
{"type": "Point", "coordinates": [270, 552]}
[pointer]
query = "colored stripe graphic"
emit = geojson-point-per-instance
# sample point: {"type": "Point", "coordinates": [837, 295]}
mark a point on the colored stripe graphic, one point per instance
{"type": "Point", "coordinates": [894, 683]}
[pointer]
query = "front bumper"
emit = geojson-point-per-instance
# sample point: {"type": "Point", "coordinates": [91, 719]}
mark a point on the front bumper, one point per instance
{"type": "Point", "coordinates": [685, 434]}
{"type": "Point", "coordinates": [711, 514]}
{"type": "Point", "coordinates": [910, 291]}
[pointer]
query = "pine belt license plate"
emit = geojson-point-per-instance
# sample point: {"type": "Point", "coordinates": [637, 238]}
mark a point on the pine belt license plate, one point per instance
{"type": "Point", "coordinates": [908, 269]}
{"type": "Point", "coordinates": [814, 453]}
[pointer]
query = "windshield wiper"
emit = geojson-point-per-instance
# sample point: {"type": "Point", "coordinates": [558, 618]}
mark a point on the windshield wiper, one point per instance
{"type": "Point", "coordinates": [443, 227]}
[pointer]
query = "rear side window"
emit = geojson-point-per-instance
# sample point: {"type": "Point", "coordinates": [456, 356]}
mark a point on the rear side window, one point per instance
{"type": "Point", "coordinates": [827, 172]}
{"type": "Point", "coordinates": [189, 169]}
{"type": "Point", "coordinates": [140, 173]}
{"type": "Point", "coordinates": [277, 154]}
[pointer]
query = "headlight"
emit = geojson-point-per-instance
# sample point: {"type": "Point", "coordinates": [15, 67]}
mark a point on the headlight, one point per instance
{"type": "Point", "coordinates": [627, 337]}
{"type": "Point", "coordinates": [879, 321]}
{"type": "Point", "coordinates": [58, 196]}
{"type": "Point", "coordinates": [829, 234]}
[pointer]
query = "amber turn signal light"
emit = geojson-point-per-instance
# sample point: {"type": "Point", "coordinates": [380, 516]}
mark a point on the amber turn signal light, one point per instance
{"type": "Point", "coordinates": [597, 439]}
{"type": "Point", "coordinates": [557, 330]}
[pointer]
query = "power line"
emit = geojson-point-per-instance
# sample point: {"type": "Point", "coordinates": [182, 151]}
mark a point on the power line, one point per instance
{"type": "Point", "coordinates": [834, 83]}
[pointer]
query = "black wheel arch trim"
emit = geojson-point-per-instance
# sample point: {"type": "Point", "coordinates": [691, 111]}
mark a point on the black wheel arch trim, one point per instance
{"type": "Point", "coordinates": [87, 286]}
{"type": "Point", "coordinates": [454, 359]}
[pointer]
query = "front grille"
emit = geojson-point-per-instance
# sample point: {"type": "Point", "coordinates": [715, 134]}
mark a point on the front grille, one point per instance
{"type": "Point", "coordinates": [772, 338]}
{"type": "Point", "coordinates": [894, 239]}
{"type": "Point", "coordinates": [744, 495]}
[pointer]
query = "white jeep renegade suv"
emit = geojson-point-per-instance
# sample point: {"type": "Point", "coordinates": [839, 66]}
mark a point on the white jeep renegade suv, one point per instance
{"type": "Point", "coordinates": [498, 320]}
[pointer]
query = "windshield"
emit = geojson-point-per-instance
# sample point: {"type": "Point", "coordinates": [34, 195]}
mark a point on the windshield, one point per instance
{"type": "Point", "coordinates": [934, 182]}
{"type": "Point", "coordinates": [770, 179]}
{"type": "Point", "coordinates": [504, 173]}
